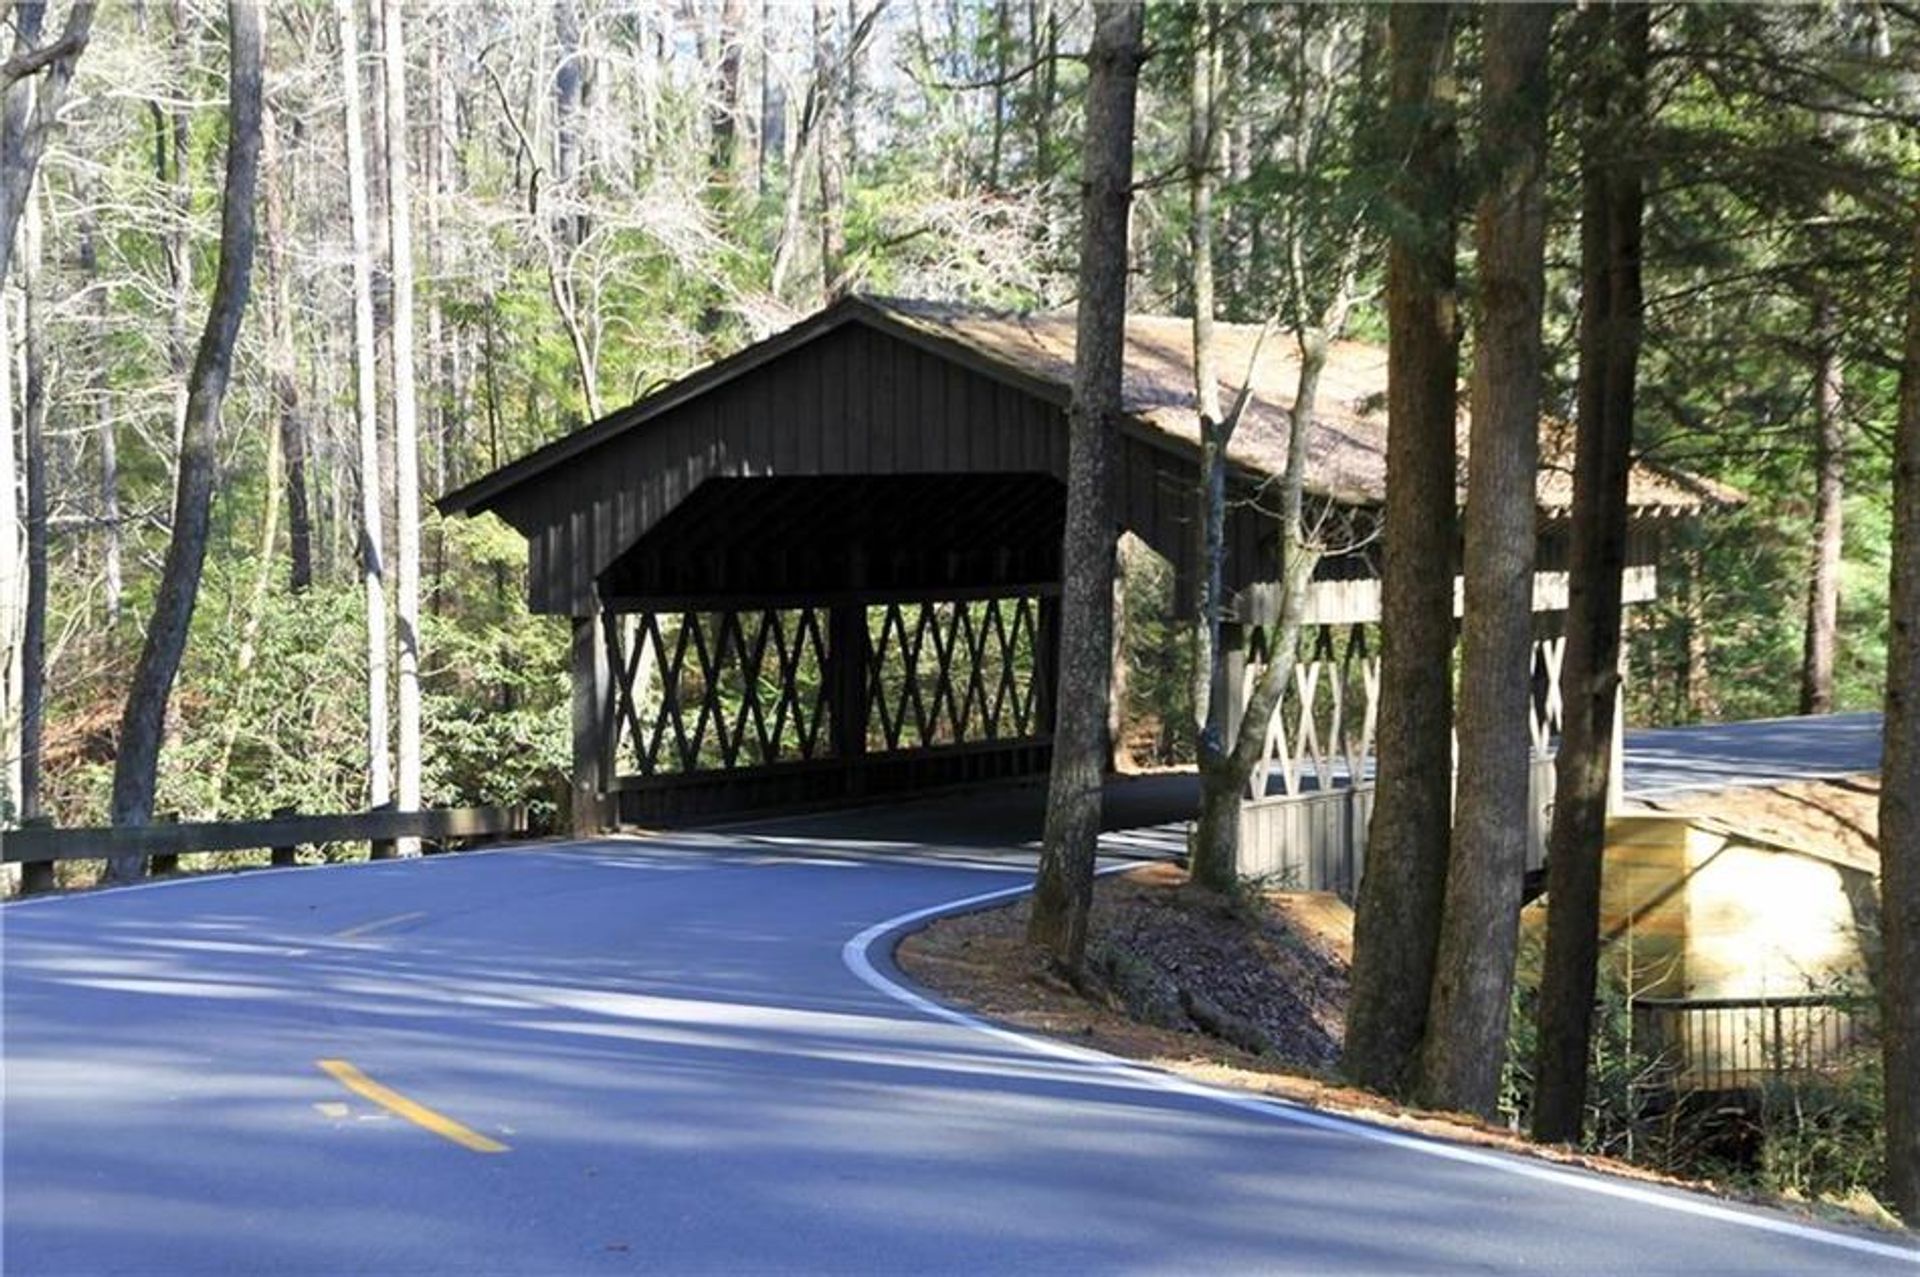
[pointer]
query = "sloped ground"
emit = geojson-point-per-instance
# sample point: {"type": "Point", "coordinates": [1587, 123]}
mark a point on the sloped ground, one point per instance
{"type": "Point", "coordinates": [1251, 991]}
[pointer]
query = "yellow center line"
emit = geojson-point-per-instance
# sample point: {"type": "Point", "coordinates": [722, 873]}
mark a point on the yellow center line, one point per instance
{"type": "Point", "coordinates": [419, 1114]}
{"type": "Point", "coordinates": [367, 928]}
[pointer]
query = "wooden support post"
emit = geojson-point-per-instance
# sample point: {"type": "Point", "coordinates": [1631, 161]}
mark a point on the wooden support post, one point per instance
{"type": "Point", "coordinates": [381, 848]}
{"type": "Point", "coordinates": [165, 864]}
{"type": "Point", "coordinates": [36, 875]}
{"type": "Point", "coordinates": [283, 857]}
{"type": "Point", "coordinates": [592, 679]}
{"type": "Point", "coordinates": [848, 655]}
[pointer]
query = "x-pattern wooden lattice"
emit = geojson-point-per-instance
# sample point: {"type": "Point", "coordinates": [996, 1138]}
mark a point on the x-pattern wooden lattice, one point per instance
{"type": "Point", "coordinates": [1325, 723]}
{"type": "Point", "coordinates": [949, 673]}
{"type": "Point", "coordinates": [704, 690]}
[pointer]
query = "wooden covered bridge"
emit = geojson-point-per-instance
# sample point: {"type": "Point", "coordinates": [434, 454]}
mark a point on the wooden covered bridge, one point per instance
{"type": "Point", "coordinates": [827, 567]}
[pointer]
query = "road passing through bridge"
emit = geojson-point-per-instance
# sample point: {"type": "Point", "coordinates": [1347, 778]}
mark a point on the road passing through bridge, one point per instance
{"type": "Point", "coordinates": [665, 1054]}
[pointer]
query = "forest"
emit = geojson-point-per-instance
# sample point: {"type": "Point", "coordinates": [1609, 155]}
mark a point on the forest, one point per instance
{"type": "Point", "coordinates": [277, 276]}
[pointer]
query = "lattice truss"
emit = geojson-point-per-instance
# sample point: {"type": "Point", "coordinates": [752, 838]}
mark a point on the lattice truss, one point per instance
{"type": "Point", "coordinates": [953, 673]}
{"type": "Point", "coordinates": [706, 691]}
{"type": "Point", "coordinates": [698, 691]}
{"type": "Point", "coordinates": [1324, 727]}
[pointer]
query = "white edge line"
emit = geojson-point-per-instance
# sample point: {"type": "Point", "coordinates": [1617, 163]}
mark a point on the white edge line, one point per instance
{"type": "Point", "coordinates": [857, 955]}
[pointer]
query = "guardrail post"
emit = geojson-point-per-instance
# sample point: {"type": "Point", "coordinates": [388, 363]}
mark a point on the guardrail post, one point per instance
{"type": "Point", "coordinates": [36, 875]}
{"type": "Point", "coordinates": [381, 848]}
{"type": "Point", "coordinates": [283, 857]}
{"type": "Point", "coordinates": [170, 862]}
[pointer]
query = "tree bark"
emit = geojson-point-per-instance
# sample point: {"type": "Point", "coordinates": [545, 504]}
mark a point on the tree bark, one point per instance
{"type": "Point", "coordinates": [1830, 468]}
{"type": "Point", "coordinates": [1615, 47]}
{"type": "Point", "coordinates": [1466, 1042]}
{"type": "Point", "coordinates": [33, 635]}
{"type": "Point", "coordinates": [277, 311]}
{"type": "Point", "coordinates": [830, 128]}
{"type": "Point", "coordinates": [1900, 791]}
{"type": "Point", "coordinates": [105, 430]}
{"type": "Point", "coordinates": [406, 420]}
{"type": "Point", "coordinates": [372, 568]}
{"type": "Point", "coordinates": [1063, 889]}
{"type": "Point", "coordinates": [32, 105]}
{"type": "Point", "coordinates": [1397, 915]}
{"type": "Point", "coordinates": [136, 766]}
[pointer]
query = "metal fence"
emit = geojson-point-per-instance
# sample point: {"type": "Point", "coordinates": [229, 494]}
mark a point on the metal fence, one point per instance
{"type": "Point", "coordinates": [1737, 1044]}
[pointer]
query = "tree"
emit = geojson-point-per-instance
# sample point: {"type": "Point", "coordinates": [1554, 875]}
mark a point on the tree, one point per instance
{"type": "Point", "coordinates": [1614, 111]}
{"type": "Point", "coordinates": [406, 417]}
{"type": "Point", "coordinates": [1063, 889]}
{"type": "Point", "coordinates": [372, 570]}
{"type": "Point", "coordinates": [1466, 1039]}
{"type": "Point", "coordinates": [1900, 790]}
{"type": "Point", "coordinates": [141, 726]}
{"type": "Point", "coordinates": [32, 87]}
{"type": "Point", "coordinates": [1397, 914]}
{"type": "Point", "coordinates": [1321, 241]}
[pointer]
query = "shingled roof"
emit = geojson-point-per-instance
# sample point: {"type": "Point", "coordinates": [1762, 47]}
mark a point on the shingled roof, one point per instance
{"type": "Point", "coordinates": [1347, 446]}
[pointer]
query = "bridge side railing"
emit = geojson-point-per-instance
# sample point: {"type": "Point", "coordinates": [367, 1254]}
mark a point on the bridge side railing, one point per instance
{"type": "Point", "coordinates": [36, 848]}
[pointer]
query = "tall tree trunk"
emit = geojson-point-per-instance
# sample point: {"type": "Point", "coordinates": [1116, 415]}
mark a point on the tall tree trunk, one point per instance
{"type": "Point", "coordinates": [1615, 49]}
{"type": "Point", "coordinates": [1466, 1042]}
{"type": "Point", "coordinates": [406, 421]}
{"type": "Point", "coordinates": [33, 636]}
{"type": "Point", "coordinates": [1203, 152]}
{"type": "Point", "coordinates": [277, 311]}
{"type": "Point", "coordinates": [173, 152]}
{"type": "Point", "coordinates": [1397, 916]}
{"type": "Point", "coordinates": [830, 126]}
{"type": "Point", "coordinates": [1063, 890]}
{"type": "Point", "coordinates": [1830, 468]}
{"type": "Point", "coordinates": [723, 108]}
{"type": "Point", "coordinates": [105, 432]}
{"type": "Point", "coordinates": [136, 766]}
{"type": "Point", "coordinates": [366, 408]}
{"type": "Point", "coordinates": [1900, 792]}
{"type": "Point", "coordinates": [13, 584]}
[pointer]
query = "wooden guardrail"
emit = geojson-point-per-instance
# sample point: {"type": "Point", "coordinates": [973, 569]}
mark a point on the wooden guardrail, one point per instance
{"type": "Point", "coordinates": [36, 848]}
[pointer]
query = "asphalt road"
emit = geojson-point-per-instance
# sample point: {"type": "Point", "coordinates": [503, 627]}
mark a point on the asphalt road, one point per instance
{"type": "Point", "coordinates": [664, 1055]}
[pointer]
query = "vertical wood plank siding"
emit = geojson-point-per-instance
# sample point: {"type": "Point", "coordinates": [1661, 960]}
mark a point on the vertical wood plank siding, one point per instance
{"type": "Point", "coordinates": [853, 401]}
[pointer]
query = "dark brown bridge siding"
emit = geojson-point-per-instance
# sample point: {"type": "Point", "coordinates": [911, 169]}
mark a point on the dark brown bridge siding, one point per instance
{"type": "Point", "coordinates": [853, 401]}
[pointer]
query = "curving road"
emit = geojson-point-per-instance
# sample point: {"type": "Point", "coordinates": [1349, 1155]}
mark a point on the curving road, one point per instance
{"type": "Point", "coordinates": [654, 1055]}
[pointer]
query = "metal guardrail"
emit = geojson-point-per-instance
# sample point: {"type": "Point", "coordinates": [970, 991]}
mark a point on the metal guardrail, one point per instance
{"type": "Point", "coordinates": [1735, 1044]}
{"type": "Point", "coordinates": [37, 848]}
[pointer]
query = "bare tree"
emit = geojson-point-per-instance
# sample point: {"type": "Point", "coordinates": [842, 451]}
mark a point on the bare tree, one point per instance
{"type": "Point", "coordinates": [1063, 891]}
{"type": "Point", "coordinates": [1900, 791]}
{"type": "Point", "coordinates": [406, 418]}
{"type": "Point", "coordinates": [1466, 1038]}
{"type": "Point", "coordinates": [277, 312]}
{"type": "Point", "coordinates": [141, 727]}
{"type": "Point", "coordinates": [32, 87]}
{"type": "Point", "coordinates": [1397, 915]}
{"type": "Point", "coordinates": [1317, 301]}
{"type": "Point", "coordinates": [1614, 108]}
{"type": "Point", "coordinates": [373, 574]}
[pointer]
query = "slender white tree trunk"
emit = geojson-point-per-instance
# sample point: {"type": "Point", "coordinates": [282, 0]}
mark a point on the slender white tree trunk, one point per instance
{"type": "Point", "coordinates": [379, 767]}
{"type": "Point", "coordinates": [406, 422]}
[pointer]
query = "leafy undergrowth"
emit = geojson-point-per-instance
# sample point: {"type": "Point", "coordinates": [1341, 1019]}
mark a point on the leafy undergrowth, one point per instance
{"type": "Point", "coordinates": [1246, 992]}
